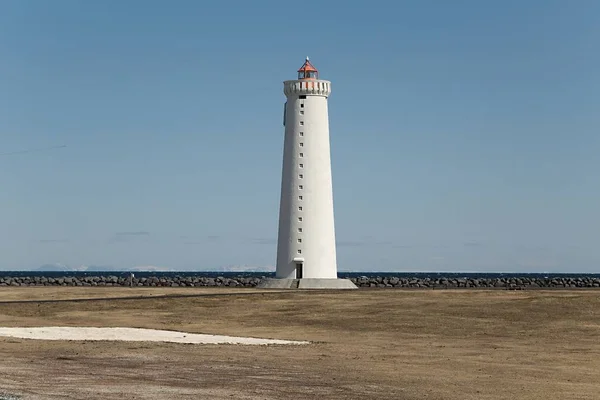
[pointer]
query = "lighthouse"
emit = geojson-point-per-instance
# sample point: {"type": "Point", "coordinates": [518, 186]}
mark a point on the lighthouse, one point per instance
{"type": "Point", "coordinates": [306, 251]}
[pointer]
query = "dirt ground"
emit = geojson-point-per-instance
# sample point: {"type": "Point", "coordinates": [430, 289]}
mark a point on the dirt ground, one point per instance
{"type": "Point", "coordinates": [368, 344]}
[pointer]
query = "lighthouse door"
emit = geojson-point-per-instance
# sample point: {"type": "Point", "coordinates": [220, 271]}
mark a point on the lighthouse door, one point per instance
{"type": "Point", "coordinates": [299, 270]}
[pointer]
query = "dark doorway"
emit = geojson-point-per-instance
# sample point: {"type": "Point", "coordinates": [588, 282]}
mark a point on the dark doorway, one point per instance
{"type": "Point", "coordinates": [298, 270]}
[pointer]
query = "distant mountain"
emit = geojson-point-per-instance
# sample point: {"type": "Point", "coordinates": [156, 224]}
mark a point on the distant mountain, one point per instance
{"type": "Point", "coordinates": [149, 268]}
{"type": "Point", "coordinates": [92, 268]}
{"type": "Point", "coordinates": [241, 268]}
{"type": "Point", "coordinates": [60, 267]}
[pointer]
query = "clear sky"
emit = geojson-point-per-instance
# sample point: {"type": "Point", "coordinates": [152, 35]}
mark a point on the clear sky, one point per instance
{"type": "Point", "coordinates": [465, 134]}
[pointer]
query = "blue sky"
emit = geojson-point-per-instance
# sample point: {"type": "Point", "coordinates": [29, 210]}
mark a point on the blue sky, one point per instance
{"type": "Point", "coordinates": [465, 134]}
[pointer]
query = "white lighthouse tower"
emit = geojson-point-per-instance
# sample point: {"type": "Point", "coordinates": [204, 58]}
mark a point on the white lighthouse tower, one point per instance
{"type": "Point", "coordinates": [306, 254]}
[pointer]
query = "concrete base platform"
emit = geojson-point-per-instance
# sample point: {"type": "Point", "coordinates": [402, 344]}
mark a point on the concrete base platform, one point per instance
{"type": "Point", "coordinates": [307, 283]}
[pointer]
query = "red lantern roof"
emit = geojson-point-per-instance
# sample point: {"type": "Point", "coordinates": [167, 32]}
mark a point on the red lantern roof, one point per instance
{"type": "Point", "coordinates": [308, 71]}
{"type": "Point", "coordinates": [307, 66]}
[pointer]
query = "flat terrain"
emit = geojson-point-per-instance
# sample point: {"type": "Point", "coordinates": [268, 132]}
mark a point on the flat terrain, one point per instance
{"type": "Point", "coordinates": [369, 344]}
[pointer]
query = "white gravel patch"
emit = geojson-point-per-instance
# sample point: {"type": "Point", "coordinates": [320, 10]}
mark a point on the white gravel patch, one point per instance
{"type": "Point", "coordinates": [132, 335]}
{"type": "Point", "coordinates": [4, 396]}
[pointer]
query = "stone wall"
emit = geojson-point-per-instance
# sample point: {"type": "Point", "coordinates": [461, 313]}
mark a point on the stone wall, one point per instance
{"type": "Point", "coordinates": [474, 283]}
{"type": "Point", "coordinates": [362, 282]}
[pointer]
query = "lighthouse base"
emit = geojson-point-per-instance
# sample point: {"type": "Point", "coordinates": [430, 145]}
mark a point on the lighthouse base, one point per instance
{"type": "Point", "coordinates": [307, 283]}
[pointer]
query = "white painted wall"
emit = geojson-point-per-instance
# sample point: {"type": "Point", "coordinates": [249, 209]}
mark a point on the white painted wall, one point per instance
{"type": "Point", "coordinates": [306, 172]}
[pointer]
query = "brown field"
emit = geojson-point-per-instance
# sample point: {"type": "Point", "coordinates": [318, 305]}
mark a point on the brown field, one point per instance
{"type": "Point", "coordinates": [369, 344]}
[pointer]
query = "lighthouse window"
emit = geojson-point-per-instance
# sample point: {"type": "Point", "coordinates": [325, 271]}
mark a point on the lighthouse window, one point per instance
{"type": "Point", "coordinates": [301, 144]}
{"type": "Point", "coordinates": [301, 133]}
{"type": "Point", "coordinates": [302, 96]}
{"type": "Point", "coordinates": [299, 240]}
{"type": "Point", "coordinates": [300, 208]}
{"type": "Point", "coordinates": [300, 230]}
{"type": "Point", "coordinates": [301, 112]}
{"type": "Point", "coordinates": [301, 154]}
{"type": "Point", "coordinates": [301, 165]}
{"type": "Point", "coordinates": [301, 122]}
{"type": "Point", "coordinates": [300, 176]}
{"type": "Point", "coordinates": [302, 105]}
{"type": "Point", "coordinates": [299, 251]}
{"type": "Point", "coordinates": [300, 219]}
{"type": "Point", "coordinates": [300, 187]}
{"type": "Point", "coordinates": [299, 197]}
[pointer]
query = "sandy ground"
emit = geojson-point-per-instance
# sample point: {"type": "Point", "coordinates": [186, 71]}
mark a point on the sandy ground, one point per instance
{"type": "Point", "coordinates": [367, 344]}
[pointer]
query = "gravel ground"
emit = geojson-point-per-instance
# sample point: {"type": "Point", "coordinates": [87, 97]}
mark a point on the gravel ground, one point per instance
{"type": "Point", "coordinates": [382, 344]}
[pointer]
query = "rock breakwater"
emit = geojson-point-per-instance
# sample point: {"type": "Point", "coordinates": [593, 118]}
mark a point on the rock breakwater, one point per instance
{"type": "Point", "coordinates": [372, 282]}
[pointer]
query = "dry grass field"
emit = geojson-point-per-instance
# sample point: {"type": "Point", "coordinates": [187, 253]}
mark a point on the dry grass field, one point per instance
{"type": "Point", "coordinates": [368, 344]}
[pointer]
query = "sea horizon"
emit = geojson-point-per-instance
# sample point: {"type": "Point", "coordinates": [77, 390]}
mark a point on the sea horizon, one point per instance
{"type": "Point", "coordinates": [341, 274]}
